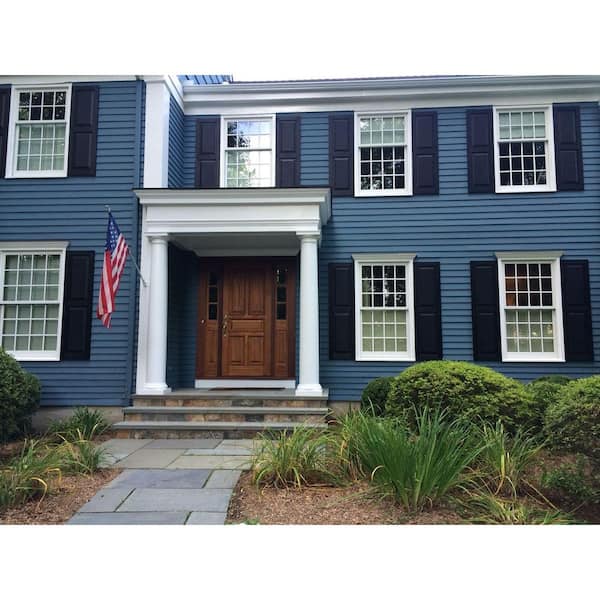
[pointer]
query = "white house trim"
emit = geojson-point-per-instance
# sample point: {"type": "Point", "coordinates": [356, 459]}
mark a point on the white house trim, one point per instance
{"type": "Point", "coordinates": [297, 213]}
{"type": "Point", "coordinates": [156, 133]}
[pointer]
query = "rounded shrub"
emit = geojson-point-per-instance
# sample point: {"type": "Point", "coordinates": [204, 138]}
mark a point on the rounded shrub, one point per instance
{"type": "Point", "coordinates": [464, 390]}
{"type": "Point", "coordinates": [572, 422]}
{"type": "Point", "coordinates": [544, 391]}
{"type": "Point", "coordinates": [375, 395]}
{"type": "Point", "coordinates": [19, 397]}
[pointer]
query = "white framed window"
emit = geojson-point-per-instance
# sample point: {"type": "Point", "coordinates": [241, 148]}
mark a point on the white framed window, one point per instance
{"type": "Point", "coordinates": [530, 306]}
{"type": "Point", "coordinates": [38, 136]}
{"type": "Point", "coordinates": [31, 299]}
{"type": "Point", "coordinates": [383, 154]}
{"type": "Point", "coordinates": [524, 149]}
{"type": "Point", "coordinates": [384, 312]}
{"type": "Point", "coordinates": [248, 151]}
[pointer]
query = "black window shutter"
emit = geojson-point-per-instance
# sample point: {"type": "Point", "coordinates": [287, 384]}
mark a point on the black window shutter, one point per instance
{"type": "Point", "coordinates": [288, 151]}
{"type": "Point", "coordinates": [341, 311]}
{"type": "Point", "coordinates": [428, 311]}
{"type": "Point", "coordinates": [4, 112]}
{"type": "Point", "coordinates": [480, 150]}
{"type": "Point", "coordinates": [207, 152]}
{"type": "Point", "coordinates": [577, 312]}
{"type": "Point", "coordinates": [425, 152]}
{"type": "Point", "coordinates": [77, 306]}
{"type": "Point", "coordinates": [83, 136]}
{"type": "Point", "coordinates": [341, 153]}
{"type": "Point", "coordinates": [485, 310]}
{"type": "Point", "coordinates": [567, 146]}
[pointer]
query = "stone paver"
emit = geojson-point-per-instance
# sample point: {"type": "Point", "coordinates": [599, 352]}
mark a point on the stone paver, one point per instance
{"type": "Point", "coordinates": [118, 446]}
{"type": "Point", "coordinates": [149, 459]}
{"type": "Point", "coordinates": [205, 444]}
{"type": "Point", "coordinates": [161, 478]}
{"type": "Point", "coordinates": [106, 500]}
{"type": "Point", "coordinates": [250, 444]}
{"type": "Point", "coordinates": [219, 451]}
{"type": "Point", "coordinates": [138, 518]}
{"type": "Point", "coordinates": [206, 518]}
{"type": "Point", "coordinates": [223, 479]}
{"type": "Point", "coordinates": [143, 499]}
{"type": "Point", "coordinates": [211, 462]}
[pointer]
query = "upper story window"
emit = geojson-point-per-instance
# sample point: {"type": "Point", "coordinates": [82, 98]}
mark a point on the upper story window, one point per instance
{"type": "Point", "coordinates": [524, 149]}
{"type": "Point", "coordinates": [530, 307]}
{"type": "Point", "coordinates": [31, 295]}
{"type": "Point", "coordinates": [384, 307]}
{"type": "Point", "coordinates": [383, 154]}
{"type": "Point", "coordinates": [39, 132]}
{"type": "Point", "coordinates": [248, 152]}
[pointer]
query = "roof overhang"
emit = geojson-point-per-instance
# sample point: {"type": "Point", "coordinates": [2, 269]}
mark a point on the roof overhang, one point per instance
{"type": "Point", "coordinates": [299, 211]}
{"type": "Point", "coordinates": [365, 94]}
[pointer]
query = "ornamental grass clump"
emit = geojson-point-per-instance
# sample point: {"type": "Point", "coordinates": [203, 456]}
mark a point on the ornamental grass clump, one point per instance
{"type": "Point", "coordinates": [80, 455]}
{"type": "Point", "coordinates": [85, 423]}
{"type": "Point", "coordinates": [297, 458]}
{"type": "Point", "coordinates": [417, 468]}
{"type": "Point", "coordinates": [504, 458]}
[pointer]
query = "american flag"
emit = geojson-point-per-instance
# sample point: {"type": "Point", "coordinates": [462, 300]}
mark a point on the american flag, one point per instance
{"type": "Point", "coordinates": [115, 255]}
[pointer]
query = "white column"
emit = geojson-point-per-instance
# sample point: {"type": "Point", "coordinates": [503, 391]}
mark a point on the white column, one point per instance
{"type": "Point", "coordinates": [157, 316]}
{"type": "Point", "coordinates": [309, 316]}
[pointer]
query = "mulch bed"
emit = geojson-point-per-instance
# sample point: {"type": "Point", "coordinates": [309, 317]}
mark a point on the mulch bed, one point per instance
{"type": "Point", "coordinates": [61, 503]}
{"type": "Point", "coordinates": [322, 505]}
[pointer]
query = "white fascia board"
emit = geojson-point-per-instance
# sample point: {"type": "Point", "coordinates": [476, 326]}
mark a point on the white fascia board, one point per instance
{"type": "Point", "coordinates": [530, 255]}
{"type": "Point", "coordinates": [173, 84]}
{"type": "Point", "coordinates": [388, 94]}
{"type": "Point", "coordinates": [60, 79]}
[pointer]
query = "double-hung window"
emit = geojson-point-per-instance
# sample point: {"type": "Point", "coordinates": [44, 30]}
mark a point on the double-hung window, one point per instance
{"type": "Point", "coordinates": [524, 149]}
{"type": "Point", "coordinates": [384, 306]}
{"type": "Point", "coordinates": [31, 295]}
{"type": "Point", "coordinates": [382, 165]}
{"type": "Point", "coordinates": [530, 307]}
{"type": "Point", "coordinates": [39, 132]}
{"type": "Point", "coordinates": [248, 157]}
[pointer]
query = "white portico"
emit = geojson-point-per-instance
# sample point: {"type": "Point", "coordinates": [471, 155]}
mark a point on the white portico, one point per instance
{"type": "Point", "coordinates": [252, 223]}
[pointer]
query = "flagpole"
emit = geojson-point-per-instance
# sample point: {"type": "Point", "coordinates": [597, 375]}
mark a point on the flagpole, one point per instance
{"type": "Point", "coordinates": [137, 268]}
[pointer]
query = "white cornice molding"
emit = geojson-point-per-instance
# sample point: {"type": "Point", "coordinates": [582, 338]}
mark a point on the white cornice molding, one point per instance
{"type": "Point", "coordinates": [59, 79]}
{"type": "Point", "coordinates": [397, 93]}
{"type": "Point", "coordinates": [530, 255]}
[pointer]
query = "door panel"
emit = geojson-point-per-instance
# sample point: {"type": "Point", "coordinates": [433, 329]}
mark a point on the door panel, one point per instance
{"type": "Point", "coordinates": [247, 323]}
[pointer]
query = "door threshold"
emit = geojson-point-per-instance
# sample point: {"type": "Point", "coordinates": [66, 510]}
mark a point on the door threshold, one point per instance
{"type": "Point", "coordinates": [244, 384]}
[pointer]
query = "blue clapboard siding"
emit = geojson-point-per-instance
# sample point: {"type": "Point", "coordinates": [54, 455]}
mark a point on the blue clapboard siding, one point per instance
{"type": "Point", "coordinates": [455, 228]}
{"type": "Point", "coordinates": [176, 145]}
{"type": "Point", "coordinates": [314, 147]}
{"type": "Point", "coordinates": [72, 209]}
{"type": "Point", "coordinates": [182, 318]}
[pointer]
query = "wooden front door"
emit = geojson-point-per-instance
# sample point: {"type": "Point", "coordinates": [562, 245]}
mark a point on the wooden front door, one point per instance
{"type": "Point", "coordinates": [246, 319]}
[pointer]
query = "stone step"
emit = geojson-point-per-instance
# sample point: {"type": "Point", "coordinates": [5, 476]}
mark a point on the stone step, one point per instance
{"type": "Point", "coordinates": [212, 429]}
{"type": "Point", "coordinates": [224, 414]}
{"type": "Point", "coordinates": [245, 398]}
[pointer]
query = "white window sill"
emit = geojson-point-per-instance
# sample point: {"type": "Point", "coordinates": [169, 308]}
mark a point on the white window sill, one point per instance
{"type": "Point", "coordinates": [532, 358]}
{"type": "Point", "coordinates": [35, 356]}
{"type": "Point", "coordinates": [36, 174]}
{"type": "Point", "coordinates": [381, 193]}
{"type": "Point", "coordinates": [524, 189]}
{"type": "Point", "coordinates": [383, 357]}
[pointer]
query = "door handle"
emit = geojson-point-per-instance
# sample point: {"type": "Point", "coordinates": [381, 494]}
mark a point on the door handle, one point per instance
{"type": "Point", "coordinates": [225, 323]}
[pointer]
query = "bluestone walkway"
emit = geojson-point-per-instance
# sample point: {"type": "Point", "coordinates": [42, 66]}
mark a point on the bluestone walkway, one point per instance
{"type": "Point", "coordinates": [168, 482]}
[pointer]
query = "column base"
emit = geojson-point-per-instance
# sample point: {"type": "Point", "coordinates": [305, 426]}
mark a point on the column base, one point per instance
{"type": "Point", "coordinates": [156, 388]}
{"type": "Point", "coordinates": [309, 389]}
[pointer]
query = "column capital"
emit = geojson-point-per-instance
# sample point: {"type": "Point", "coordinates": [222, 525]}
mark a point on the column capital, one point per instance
{"type": "Point", "coordinates": [308, 237]}
{"type": "Point", "coordinates": [157, 238]}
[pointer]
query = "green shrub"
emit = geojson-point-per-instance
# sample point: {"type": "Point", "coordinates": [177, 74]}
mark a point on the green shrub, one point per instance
{"type": "Point", "coordinates": [80, 456]}
{"type": "Point", "coordinates": [544, 391]}
{"type": "Point", "coordinates": [19, 397]}
{"type": "Point", "coordinates": [572, 423]}
{"type": "Point", "coordinates": [505, 457]}
{"type": "Point", "coordinates": [571, 484]}
{"type": "Point", "coordinates": [463, 390]}
{"type": "Point", "coordinates": [375, 395]}
{"type": "Point", "coordinates": [415, 469]}
{"type": "Point", "coordinates": [84, 423]}
{"type": "Point", "coordinates": [296, 458]}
